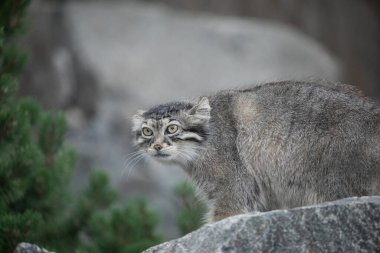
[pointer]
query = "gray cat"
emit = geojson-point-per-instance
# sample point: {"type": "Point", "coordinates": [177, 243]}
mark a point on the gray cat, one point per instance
{"type": "Point", "coordinates": [273, 146]}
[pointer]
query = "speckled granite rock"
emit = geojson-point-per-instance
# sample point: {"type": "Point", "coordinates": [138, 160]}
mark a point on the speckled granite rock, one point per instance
{"type": "Point", "coordinates": [25, 247]}
{"type": "Point", "coordinates": [347, 225]}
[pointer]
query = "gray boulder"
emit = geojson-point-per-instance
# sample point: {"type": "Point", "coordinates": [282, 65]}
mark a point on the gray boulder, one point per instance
{"type": "Point", "coordinates": [347, 225]}
{"type": "Point", "coordinates": [55, 73]}
{"type": "Point", "coordinates": [25, 247]}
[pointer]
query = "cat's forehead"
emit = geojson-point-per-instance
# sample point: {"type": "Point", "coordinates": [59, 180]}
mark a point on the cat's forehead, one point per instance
{"type": "Point", "coordinates": [157, 123]}
{"type": "Point", "coordinates": [168, 110]}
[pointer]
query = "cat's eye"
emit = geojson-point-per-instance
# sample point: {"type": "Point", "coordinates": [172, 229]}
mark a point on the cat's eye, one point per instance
{"type": "Point", "coordinates": [172, 129]}
{"type": "Point", "coordinates": [147, 131]}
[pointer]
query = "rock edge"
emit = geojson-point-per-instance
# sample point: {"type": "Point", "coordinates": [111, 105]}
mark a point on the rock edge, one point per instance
{"type": "Point", "coordinates": [25, 247]}
{"type": "Point", "coordinates": [346, 225]}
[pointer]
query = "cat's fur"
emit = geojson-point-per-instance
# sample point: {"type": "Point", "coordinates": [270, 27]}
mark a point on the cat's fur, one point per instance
{"type": "Point", "coordinates": [273, 146]}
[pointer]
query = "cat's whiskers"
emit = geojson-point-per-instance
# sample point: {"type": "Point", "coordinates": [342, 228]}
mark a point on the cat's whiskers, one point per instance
{"type": "Point", "coordinates": [130, 156]}
{"type": "Point", "coordinates": [126, 160]}
{"type": "Point", "coordinates": [133, 159]}
{"type": "Point", "coordinates": [137, 160]}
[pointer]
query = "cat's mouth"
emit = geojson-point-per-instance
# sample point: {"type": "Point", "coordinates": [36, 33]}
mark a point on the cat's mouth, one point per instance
{"type": "Point", "coordinates": [161, 155]}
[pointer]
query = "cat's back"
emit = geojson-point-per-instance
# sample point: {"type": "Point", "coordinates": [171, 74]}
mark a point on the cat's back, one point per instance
{"type": "Point", "coordinates": [327, 131]}
{"type": "Point", "coordinates": [315, 106]}
{"type": "Point", "coordinates": [312, 106]}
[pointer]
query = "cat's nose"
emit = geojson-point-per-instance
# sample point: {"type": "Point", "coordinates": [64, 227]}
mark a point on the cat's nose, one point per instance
{"type": "Point", "coordinates": [157, 147]}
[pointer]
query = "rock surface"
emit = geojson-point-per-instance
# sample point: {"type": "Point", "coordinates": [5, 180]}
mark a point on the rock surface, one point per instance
{"type": "Point", "coordinates": [25, 247]}
{"type": "Point", "coordinates": [55, 73]}
{"type": "Point", "coordinates": [156, 54]}
{"type": "Point", "coordinates": [347, 225]}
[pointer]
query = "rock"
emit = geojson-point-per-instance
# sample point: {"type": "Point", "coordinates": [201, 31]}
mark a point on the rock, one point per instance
{"type": "Point", "coordinates": [25, 247]}
{"type": "Point", "coordinates": [325, 21]}
{"type": "Point", "coordinates": [347, 225]}
{"type": "Point", "coordinates": [156, 54]}
{"type": "Point", "coordinates": [55, 73]}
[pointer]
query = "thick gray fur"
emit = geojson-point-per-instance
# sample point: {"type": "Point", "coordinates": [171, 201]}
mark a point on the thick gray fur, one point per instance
{"type": "Point", "coordinates": [283, 145]}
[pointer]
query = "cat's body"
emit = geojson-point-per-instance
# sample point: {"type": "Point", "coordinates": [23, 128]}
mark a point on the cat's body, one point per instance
{"type": "Point", "coordinates": [277, 145]}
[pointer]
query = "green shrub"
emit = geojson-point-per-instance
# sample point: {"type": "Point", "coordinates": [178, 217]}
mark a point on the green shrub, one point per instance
{"type": "Point", "coordinates": [193, 209]}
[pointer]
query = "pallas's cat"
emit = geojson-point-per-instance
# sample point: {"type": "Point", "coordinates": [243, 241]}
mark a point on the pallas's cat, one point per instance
{"type": "Point", "coordinates": [273, 146]}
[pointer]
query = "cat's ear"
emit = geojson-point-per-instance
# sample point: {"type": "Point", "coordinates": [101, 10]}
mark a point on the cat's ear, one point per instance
{"type": "Point", "coordinates": [137, 120]}
{"type": "Point", "coordinates": [201, 109]}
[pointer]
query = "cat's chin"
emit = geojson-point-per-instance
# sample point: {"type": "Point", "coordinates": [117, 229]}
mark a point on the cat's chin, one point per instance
{"type": "Point", "coordinates": [168, 159]}
{"type": "Point", "coordinates": [162, 157]}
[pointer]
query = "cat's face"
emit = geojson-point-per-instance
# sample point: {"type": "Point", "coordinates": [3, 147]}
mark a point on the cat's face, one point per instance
{"type": "Point", "coordinates": [173, 131]}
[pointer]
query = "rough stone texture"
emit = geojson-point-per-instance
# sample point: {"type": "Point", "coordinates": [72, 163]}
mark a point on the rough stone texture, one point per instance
{"type": "Point", "coordinates": [348, 28]}
{"type": "Point", "coordinates": [347, 225]}
{"type": "Point", "coordinates": [155, 54]}
{"type": "Point", "coordinates": [55, 72]}
{"type": "Point", "coordinates": [25, 247]}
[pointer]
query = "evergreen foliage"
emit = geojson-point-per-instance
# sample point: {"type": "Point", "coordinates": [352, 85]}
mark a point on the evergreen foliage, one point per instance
{"type": "Point", "coordinates": [95, 224]}
{"type": "Point", "coordinates": [25, 173]}
{"type": "Point", "coordinates": [193, 209]}
{"type": "Point", "coordinates": [125, 229]}
{"type": "Point", "coordinates": [34, 166]}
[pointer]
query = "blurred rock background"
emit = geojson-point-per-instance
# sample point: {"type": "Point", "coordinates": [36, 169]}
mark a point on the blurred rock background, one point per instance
{"type": "Point", "coordinates": [100, 61]}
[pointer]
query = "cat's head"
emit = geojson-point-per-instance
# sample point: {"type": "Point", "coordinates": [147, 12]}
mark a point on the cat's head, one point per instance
{"type": "Point", "coordinates": [173, 131]}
